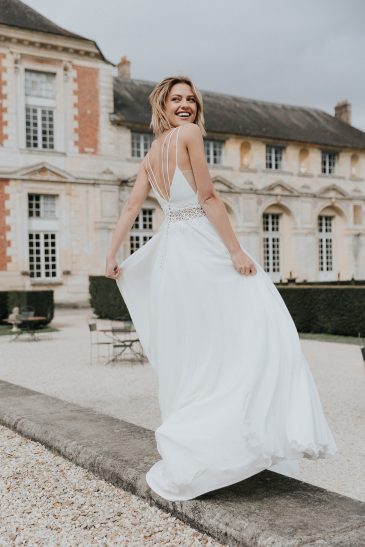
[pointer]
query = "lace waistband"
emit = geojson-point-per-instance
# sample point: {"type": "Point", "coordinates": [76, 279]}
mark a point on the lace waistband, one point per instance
{"type": "Point", "coordinates": [185, 213]}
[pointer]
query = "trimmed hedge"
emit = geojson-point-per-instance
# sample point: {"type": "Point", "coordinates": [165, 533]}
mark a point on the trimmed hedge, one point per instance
{"type": "Point", "coordinates": [317, 308]}
{"type": "Point", "coordinates": [106, 300]}
{"type": "Point", "coordinates": [326, 309]}
{"type": "Point", "coordinates": [42, 302]}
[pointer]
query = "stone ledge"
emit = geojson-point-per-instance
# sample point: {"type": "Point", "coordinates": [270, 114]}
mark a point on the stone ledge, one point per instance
{"type": "Point", "coordinates": [266, 509]}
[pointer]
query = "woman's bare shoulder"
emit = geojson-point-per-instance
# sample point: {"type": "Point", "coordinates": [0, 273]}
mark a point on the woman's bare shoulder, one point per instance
{"type": "Point", "coordinates": [190, 132]}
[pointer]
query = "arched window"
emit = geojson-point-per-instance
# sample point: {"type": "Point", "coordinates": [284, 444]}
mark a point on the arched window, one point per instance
{"type": "Point", "coordinates": [335, 260]}
{"type": "Point", "coordinates": [271, 243]}
{"type": "Point", "coordinates": [278, 249]}
{"type": "Point", "coordinates": [325, 244]}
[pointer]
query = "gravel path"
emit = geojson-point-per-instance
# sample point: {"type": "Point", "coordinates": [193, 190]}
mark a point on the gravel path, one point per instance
{"type": "Point", "coordinates": [46, 500]}
{"type": "Point", "coordinates": [60, 367]}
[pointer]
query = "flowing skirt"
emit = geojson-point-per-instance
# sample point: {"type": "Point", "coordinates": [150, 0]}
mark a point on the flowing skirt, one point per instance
{"type": "Point", "coordinates": [235, 391]}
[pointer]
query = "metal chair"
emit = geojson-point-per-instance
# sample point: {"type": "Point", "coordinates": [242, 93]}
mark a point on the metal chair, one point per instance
{"type": "Point", "coordinates": [96, 342]}
{"type": "Point", "coordinates": [26, 311]}
{"type": "Point", "coordinates": [126, 344]}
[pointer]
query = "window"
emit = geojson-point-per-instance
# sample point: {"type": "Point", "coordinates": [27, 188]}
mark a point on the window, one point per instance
{"type": "Point", "coordinates": [325, 243]}
{"type": "Point", "coordinates": [213, 151]}
{"type": "Point", "coordinates": [141, 143]}
{"type": "Point", "coordinates": [274, 156]}
{"type": "Point", "coordinates": [42, 255]}
{"type": "Point", "coordinates": [142, 229]}
{"type": "Point", "coordinates": [328, 162]}
{"type": "Point", "coordinates": [42, 236]}
{"type": "Point", "coordinates": [41, 206]}
{"type": "Point", "coordinates": [40, 84]}
{"type": "Point", "coordinates": [271, 242]}
{"type": "Point", "coordinates": [40, 104]}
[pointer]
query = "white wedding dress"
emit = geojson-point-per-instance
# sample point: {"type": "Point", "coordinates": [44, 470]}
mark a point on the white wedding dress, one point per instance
{"type": "Point", "coordinates": [235, 391]}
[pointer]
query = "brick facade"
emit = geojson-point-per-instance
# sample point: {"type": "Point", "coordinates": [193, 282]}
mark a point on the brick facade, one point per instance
{"type": "Point", "coordinates": [88, 109]}
{"type": "Point", "coordinates": [3, 110]}
{"type": "Point", "coordinates": [4, 228]}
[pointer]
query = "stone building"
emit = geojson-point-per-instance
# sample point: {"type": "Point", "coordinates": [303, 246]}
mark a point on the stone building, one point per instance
{"type": "Point", "coordinates": [72, 136]}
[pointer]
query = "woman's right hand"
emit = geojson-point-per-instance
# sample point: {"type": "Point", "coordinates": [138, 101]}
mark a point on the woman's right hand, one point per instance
{"type": "Point", "coordinates": [112, 269]}
{"type": "Point", "coordinates": [242, 263]}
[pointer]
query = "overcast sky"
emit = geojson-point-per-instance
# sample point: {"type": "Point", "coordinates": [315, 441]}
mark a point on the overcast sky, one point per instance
{"type": "Point", "coordinates": [300, 52]}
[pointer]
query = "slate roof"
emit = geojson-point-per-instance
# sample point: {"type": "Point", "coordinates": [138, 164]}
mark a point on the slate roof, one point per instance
{"type": "Point", "coordinates": [15, 13]}
{"type": "Point", "coordinates": [229, 114]}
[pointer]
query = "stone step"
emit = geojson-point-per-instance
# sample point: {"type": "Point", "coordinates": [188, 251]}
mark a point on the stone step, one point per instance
{"type": "Point", "coordinates": [266, 509]}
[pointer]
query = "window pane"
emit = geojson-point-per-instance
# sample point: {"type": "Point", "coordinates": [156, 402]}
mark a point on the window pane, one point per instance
{"type": "Point", "coordinates": [42, 254]}
{"type": "Point", "coordinates": [47, 128]}
{"type": "Point", "coordinates": [42, 206]}
{"type": "Point", "coordinates": [40, 84]}
{"type": "Point", "coordinates": [141, 143]}
{"type": "Point", "coordinates": [271, 242]}
{"type": "Point", "coordinates": [31, 127]}
{"type": "Point", "coordinates": [213, 151]}
{"type": "Point", "coordinates": [325, 243]}
{"type": "Point", "coordinates": [142, 229]}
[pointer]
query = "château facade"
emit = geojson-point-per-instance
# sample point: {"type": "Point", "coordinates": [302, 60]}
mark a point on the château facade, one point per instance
{"type": "Point", "coordinates": [72, 135]}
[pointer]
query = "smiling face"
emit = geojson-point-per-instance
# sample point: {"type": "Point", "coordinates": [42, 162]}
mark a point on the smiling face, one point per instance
{"type": "Point", "coordinates": [181, 106]}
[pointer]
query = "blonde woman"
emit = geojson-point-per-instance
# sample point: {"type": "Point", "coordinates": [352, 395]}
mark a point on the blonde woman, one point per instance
{"type": "Point", "coordinates": [236, 394]}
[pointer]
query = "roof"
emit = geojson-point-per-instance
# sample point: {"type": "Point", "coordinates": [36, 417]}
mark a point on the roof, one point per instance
{"type": "Point", "coordinates": [17, 14]}
{"type": "Point", "coordinates": [229, 114]}
{"type": "Point", "coordinates": [14, 13]}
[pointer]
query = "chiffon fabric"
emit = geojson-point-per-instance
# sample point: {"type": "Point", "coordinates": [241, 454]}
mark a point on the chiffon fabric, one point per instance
{"type": "Point", "coordinates": [236, 394]}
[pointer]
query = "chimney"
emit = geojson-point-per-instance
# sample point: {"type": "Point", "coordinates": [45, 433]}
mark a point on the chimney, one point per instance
{"type": "Point", "coordinates": [343, 111]}
{"type": "Point", "coordinates": [124, 68]}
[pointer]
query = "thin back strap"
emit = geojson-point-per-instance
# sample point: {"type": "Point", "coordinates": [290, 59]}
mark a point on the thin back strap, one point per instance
{"type": "Point", "coordinates": [152, 177]}
{"type": "Point", "coordinates": [176, 143]}
{"type": "Point", "coordinates": [150, 170]}
{"type": "Point", "coordinates": [167, 186]}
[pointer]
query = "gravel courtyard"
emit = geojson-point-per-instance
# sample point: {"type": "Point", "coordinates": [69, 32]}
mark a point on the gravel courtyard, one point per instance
{"type": "Point", "coordinates": [60, 366]}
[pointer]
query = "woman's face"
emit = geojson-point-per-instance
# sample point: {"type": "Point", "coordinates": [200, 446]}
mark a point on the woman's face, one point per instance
{"type": "Point", "coordinates": [180, 101]}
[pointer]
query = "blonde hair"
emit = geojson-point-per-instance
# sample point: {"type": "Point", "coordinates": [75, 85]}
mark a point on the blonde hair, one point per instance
{"type": "Point", "coordinates": [158, 96]}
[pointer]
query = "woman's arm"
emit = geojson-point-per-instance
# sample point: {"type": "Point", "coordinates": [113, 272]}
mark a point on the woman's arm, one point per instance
{"type": "Point", "coordinates": [126, 220]}
{"type": "Point", "coordinates": [210, 200]}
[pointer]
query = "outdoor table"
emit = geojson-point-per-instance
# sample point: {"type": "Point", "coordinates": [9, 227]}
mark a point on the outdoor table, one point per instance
{"type": "Point", "coordinates": [25, 325]}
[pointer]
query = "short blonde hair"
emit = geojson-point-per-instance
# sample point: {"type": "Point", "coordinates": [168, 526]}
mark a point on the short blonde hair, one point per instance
{"type": "Point", "coordinates": [158, 96]}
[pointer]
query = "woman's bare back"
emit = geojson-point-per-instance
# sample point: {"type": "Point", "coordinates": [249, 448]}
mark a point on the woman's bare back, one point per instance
{"type": "Point", "coordinates": [162, 160]}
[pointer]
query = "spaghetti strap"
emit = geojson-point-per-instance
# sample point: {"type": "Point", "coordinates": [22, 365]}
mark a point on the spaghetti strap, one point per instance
{"type": "Point", "coordinates": [176, 144]}
{"type": "Point", "coordinates": [165, 179]}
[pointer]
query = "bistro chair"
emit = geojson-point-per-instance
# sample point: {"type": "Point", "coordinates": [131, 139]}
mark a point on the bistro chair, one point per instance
{"type": "Point", "coordinates": [97, 342]}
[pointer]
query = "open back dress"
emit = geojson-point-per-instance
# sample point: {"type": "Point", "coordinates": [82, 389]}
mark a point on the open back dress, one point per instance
{"type": "Point", "coordinates": [236, 394]}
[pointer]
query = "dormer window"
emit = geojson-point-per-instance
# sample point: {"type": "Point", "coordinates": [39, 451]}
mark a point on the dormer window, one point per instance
{"type": "Point", "coordinates": [328, 163]}
{"type": "Point", "coordinates": [274, 156]}
{"type": "Point", "coordinates": [213, 151]}
{"type": "Point", "coordinates": [141, 143]}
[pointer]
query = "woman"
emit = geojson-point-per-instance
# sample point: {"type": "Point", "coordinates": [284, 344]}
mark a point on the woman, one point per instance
{"type": "Point", "coordinates": [236, 394]}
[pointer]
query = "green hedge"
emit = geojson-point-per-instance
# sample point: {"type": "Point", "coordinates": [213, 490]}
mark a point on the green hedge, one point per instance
{"type": "Point", "coordinates": [42, 302]}
{"type": "Point", "coordinates": [106, 300]}
{"type": "Point", "coordinates": [317, 308]}
{"type": "Point", "coordinates": [326, 309]}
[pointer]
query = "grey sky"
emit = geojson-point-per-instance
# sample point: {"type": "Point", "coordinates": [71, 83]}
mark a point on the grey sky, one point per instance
{"type": "Point", "coordinates": [307, 53]}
